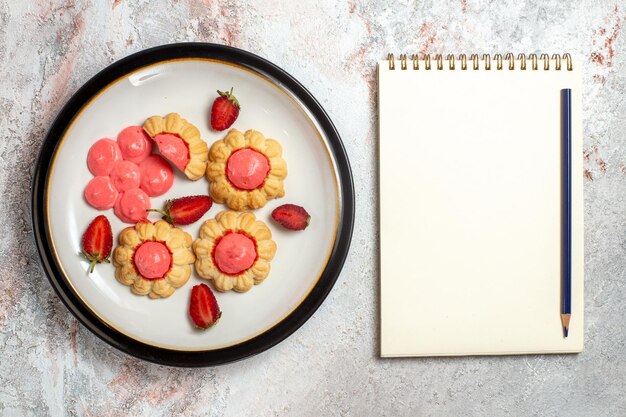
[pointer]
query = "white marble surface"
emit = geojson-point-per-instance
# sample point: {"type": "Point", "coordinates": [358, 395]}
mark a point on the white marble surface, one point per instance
{"type": "Point", "coordinates": [50, 365]}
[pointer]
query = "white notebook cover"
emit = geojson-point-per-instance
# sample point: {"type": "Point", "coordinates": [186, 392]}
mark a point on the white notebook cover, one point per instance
{"type": "Point", "coordinates": [470, 210]}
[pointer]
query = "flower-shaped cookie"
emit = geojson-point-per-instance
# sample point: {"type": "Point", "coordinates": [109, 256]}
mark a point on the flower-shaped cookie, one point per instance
{"type": "Point", "coordinates": [246, 170]}
{"type": "Point", "coordinates": [179, 141]}
{"type": "Point", "coordinates": [234, 250]}
{"type": "Point", "coordinates": [153, 259]}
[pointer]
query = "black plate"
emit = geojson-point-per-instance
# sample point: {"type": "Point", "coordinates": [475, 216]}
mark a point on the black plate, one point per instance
{"type": "Point", "coordinates": [174, 357]}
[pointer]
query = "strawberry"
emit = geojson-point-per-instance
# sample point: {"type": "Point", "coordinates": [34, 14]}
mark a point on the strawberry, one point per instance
{"type": "Point", "coordinates": [97, 242]}
{"type": "Point", "coordinates": [292, 217]}
{"type": "Point", "coordinates": [203, 307]}
{"type": "Point", "coordinates": [225, 110]}
{"type": "Point", "coordinates": [185, 210]}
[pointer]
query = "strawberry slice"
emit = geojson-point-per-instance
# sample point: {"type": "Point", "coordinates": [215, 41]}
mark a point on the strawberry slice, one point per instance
{"type": "Point", "coordinates": [203, 307]}
{"type": "Point", "coordinates": [225, 110]}
{"type": "Point", "coordinates": [292, 217]}
{"type": "Point", "coordinates": [185, 210]}
{"type": "Point", "coordinates": [97, 242]}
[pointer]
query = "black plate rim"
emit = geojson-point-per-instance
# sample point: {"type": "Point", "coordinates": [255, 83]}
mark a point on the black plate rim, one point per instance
{"type": "Point", "coordinates": [268, 338]}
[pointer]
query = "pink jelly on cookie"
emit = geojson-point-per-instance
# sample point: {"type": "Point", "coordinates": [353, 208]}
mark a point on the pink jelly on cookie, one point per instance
{"type": "Point", "coordinates": [135, 144]}
{"type": "Point", "coordinates": [173, 148]}
{"type": "Point", "coordinates": [157, 175]}
{"type": "Point", "coordinates": [234, 253]}
{"type": "Point", "coordinates": [132, 205]}
{"type": "Point", "coordinates": [125, 175]}
{"type": "Point", "coordinates": [100, 193]}
{"type": "Point", "coordinates": [152, 260]}
{"type": "Point", "coordinates": [102, 156]}
{"type": "Point", "coordinates": [247, 169]}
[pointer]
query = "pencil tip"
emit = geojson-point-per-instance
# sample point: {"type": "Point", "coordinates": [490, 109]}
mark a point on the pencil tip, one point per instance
{"type": "Point", "coordinates": [565, 318]}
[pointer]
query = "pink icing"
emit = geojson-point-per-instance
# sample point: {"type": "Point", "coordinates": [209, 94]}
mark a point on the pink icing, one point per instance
{"type": "Point", "coordinates": [152, 260]}
{"type": "Point", "coordinates": [174, 149]}
{"type": "Point", "coordinates": [247, 169]}
{"type": "Point", "coordinates": [100, 193]}
{"type": "Point", "coordinates": [132, 205]}
{"type": "Point", "coordinates": [135, 144]}
{"type": "Point", "coordinates": [234, 253]}
{"type": "Point", "coordinates": [157, 175]}
{"type": "Point", "coordinates": [102, 156]}
{"type": "Point", "coordinates": [125, 175]}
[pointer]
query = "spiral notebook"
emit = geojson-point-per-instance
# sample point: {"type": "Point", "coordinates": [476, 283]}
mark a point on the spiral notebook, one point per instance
{"type": "Point", "coordinates": [470, 200]}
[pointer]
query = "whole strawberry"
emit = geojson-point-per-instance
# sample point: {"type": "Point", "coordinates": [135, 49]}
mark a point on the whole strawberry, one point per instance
{"type": "Point", "coordinates": [97, 242]}
{"type": "Point", "coordinates": [203, 307]}
{"type": "Point", "coordinates": [292, 217]}
{"type": "Point", "coordinates": [185, 210]}
{"type": "Point", "coordinates": [225, 110]}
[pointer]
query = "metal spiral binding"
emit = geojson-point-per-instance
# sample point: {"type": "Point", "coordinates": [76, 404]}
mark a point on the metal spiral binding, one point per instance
{"type": "Point", "coordinates": [416, 61]}
{"type": "Point", "coordinates": [474, 58]}
{"type": "Point", "coordinates": [511, 58]}
{"type": "Point", "coordinates": [403, 61]}
{"type": "Point", "coordinates": [486, 59]}
{"type": "Point", "coordinates": [450, 59]}
{"type": "Point", "coordinates": [533, 61]}
{"type": "Point", "coordinates": [498, 59]}
{"type": "Point", "coordinates": [522, 59]}
{"type": "Point", "coordinates": [439, 60]}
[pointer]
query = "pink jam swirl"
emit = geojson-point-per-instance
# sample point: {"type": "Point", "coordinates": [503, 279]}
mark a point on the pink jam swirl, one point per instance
{"type": "Point", "coordinates": [234, 253]}
{"type": "Point", "coordinates": [135, 144]}
{"type": "Point", "coordinates": [125, 175]}
{"type": "Point", "coordinates": [247, 169]}
{"type": "Point", "coordinates": [132, 205]}
{"type": "Point", "coordinates": [157, 175]}
{"type": "Point", "coordinates": [100, 193]}
{"type": "Point", "coordinates": [152, 260]}
{"type": "Point", "coordinates": [102, 156]}
{"type": "Point", "coordinates": [174, 149]}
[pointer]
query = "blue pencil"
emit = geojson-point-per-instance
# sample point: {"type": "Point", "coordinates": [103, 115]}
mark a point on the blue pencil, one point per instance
{"type": "Point", "coordinates": [566, 209]}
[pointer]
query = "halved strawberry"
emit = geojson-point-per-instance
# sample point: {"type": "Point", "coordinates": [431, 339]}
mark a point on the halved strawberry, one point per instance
{"type": "Point", "coordinates": [225, 110]}
{"type": "Point", "coordinates": [292, 217]}
{"type": "Point", "coordinates": [97, 242]}
{"type": "Point", "coordinates": [185, 210]}
{"type": "Point", "coordinates": [203, 307]}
